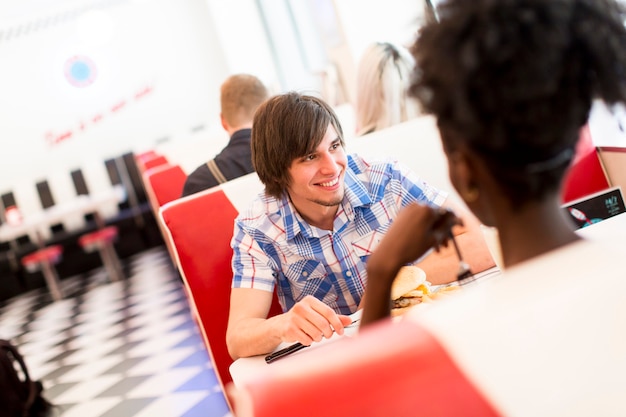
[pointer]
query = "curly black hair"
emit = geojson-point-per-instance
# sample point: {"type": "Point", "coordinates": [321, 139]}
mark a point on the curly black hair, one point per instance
{"type": "Point", "coordinates": [515, 80]}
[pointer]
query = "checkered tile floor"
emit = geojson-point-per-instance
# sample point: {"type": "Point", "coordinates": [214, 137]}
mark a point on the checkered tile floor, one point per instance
{"type": "Point", "coordinates": [117, 349]}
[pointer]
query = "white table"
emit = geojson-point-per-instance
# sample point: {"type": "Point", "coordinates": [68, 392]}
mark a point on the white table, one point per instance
{"type": "Point", "coordinates": [37, 223]}
{"type": "Point", "coordinates": [244, 368]}
{"type": "Point", "coordinates": [611, 229]}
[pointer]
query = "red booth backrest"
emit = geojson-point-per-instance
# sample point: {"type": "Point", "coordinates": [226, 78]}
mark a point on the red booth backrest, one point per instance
{"type": "Point", "coordinates": [141, 157]}
{"type": "Point", "coordinates": [374, 374]}
{"type": "Point", "coordinates": [200, 228]}
{"type": "Point", "coordinates": [586, 176]}
{"type": "Point", "coordinates": [151, 161]}
{"type": "Point", "coordinates": [163, 184]}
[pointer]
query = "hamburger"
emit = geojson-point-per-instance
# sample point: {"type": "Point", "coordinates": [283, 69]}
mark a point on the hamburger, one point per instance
{"type": "Point", "coordinates": [408, 289]}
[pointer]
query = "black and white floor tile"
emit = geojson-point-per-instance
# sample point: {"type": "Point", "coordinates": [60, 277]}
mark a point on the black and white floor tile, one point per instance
{"type": "Point", "coordinates": [117, 349]}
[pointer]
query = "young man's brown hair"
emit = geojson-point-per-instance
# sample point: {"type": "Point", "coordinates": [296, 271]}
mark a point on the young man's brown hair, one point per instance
{"type": "Point", "coordinates": [287, 127]}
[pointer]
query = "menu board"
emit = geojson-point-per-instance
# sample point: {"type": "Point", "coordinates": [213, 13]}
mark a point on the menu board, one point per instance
{"type": "Point", "coordinates": [596, 207]}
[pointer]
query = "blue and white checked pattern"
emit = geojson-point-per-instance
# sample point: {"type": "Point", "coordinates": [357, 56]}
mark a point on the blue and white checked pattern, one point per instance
{"type": "Point", "coordinates": [273, 245]}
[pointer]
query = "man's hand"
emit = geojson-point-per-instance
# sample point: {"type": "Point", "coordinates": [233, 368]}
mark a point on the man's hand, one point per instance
{"type": "Point", "coordinates": [310, 320]}
{"type": "Point", "coordinates": [251, 332]}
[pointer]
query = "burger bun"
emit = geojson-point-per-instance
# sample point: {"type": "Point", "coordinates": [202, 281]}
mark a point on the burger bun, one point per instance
{"type": "Point", "coordinates": [407, 280]}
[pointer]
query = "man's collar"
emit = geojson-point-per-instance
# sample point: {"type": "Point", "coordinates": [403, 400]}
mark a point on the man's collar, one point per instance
{"type": "Point", "coordinates": [356, 195]}
{"type": "Point", "coordinates": [241, 134]}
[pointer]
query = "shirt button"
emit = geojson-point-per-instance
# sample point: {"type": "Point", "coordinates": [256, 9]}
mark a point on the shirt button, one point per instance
{"type": "Point", "coordinates": [348, 273]}
{"type": "Point", "coordinates": [305, 274]}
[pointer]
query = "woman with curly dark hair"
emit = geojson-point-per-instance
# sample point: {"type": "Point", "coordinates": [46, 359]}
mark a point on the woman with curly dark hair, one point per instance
{"type": "Point", "coordinates": [511, 83]}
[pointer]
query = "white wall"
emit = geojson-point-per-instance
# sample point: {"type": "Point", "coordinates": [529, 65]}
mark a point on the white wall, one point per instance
{"type": "Point", "coordinates": [156, 77]}
{"type": "Point", "coordinates": [241, 36]}
{"type": "Point", "coordinates": [368, 21]}
{"type": "Point", "coordinates": [159, 65]}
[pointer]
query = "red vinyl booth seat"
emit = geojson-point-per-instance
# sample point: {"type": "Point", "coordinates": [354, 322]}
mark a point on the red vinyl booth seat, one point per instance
{"type": "Point", "coordinates": [586, 176]}
{"type": "Point", "coordinates": [151, 161]}
{"type": "Point", "coordinates": [146, 155]}
{"type": "Point", "coordinates": [163, 184]}
{"type": "Point", "coordinates": [390, 369]}
{"type": "Point", "coordinates": [199, 229]}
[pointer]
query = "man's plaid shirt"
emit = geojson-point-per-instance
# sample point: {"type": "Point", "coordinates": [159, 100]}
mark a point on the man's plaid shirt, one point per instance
{"type": "Point", "coordinates": [273, 245]}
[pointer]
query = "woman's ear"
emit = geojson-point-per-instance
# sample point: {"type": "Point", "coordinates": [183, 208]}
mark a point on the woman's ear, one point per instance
{"type": "Point", "coordinates": [462, 172]}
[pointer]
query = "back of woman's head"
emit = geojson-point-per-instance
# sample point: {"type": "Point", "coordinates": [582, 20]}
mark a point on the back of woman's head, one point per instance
{"type": "Point", "coordinates": [515, 79]}
{"type": "Point", "coordinates": [383, 77]}
{"type": "Point", "coordinates": [286, 127]}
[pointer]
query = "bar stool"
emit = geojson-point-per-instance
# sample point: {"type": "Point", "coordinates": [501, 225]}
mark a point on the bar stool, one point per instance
{"type": "Point", "coordinates": [44, 259]}
{"type": "Point", "coordinates": [102, 241]}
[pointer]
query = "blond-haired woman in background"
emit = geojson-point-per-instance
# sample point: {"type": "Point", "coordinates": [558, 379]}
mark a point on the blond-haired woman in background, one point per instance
{"type": "Point", "coordinates": [383, 77]}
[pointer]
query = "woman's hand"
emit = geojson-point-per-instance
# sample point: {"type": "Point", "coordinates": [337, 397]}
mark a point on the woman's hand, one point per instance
{"type": "Point", "coordinates": [417, 229]}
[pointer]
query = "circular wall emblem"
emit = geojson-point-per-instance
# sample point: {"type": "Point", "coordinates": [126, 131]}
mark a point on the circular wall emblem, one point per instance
{"type": "Point", "coordinates": [80, 71]}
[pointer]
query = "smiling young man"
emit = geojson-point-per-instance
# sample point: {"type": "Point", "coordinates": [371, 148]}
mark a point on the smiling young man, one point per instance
{"type": "Point", "coordinates": [311, 232]}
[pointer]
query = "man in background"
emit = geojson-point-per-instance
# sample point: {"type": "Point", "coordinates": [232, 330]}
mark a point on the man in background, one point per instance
{"type": "Point", "coordinates": [240, 95]}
